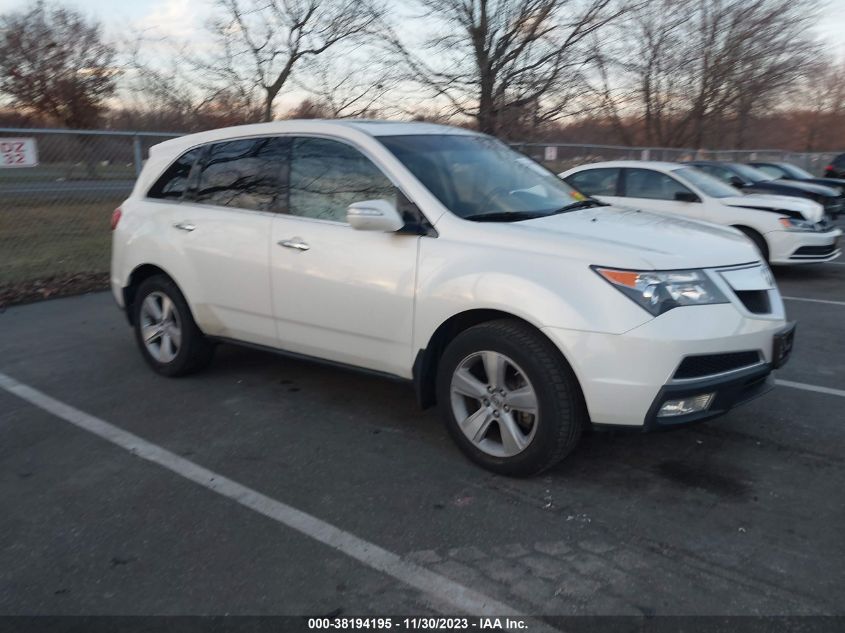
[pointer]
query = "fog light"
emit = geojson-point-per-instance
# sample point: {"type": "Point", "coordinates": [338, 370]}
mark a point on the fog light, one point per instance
{"type": "Point", "coordinates": [683, 406]}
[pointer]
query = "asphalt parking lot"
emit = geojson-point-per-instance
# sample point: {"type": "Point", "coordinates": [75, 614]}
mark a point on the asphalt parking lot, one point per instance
{"type": "Point", "coordinates": [265, 484]}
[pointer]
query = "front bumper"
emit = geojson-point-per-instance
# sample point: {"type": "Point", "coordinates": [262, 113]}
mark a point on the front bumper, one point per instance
{"type": "Point", "coordinates": [730, 391]}
{"type": "Point", "coordinates": [794, 247]}
{"type": "Point", "coordinates": [622, 375]}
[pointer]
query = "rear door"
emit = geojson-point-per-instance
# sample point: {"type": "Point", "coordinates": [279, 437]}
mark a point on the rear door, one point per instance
{"type": "Point", "coordinates": [224, 225]}
{"type": "Point", "coordinates": [339, 293]}
{"type": "Point", "coordinates": [601, 183]}
{"type": "Point", "coordinates": [655, 191]}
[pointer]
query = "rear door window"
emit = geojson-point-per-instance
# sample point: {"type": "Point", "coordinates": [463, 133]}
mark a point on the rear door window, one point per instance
{"type": "Point", "coordinates": [596, 182]}
{"type": "Point", "coordinates": [771, 170]}
{"type": "Point", "coordinates": [244, 174]}
{"type": "Point", "coordinates": [654, 185]}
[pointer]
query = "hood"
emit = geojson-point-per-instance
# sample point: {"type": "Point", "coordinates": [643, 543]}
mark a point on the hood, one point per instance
{"type": "Point", "coordinates": [834, 183]}
{"type": "Point", "coordinates": [809, 209]}
{"type": "Point", "coordinates": [619, 236]}
{"type": "Point", "coordinates": [819, 190]}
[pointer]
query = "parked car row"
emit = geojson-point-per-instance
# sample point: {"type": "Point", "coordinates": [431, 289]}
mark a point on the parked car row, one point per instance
{"type": "Point", "coordinates": [789, 220]}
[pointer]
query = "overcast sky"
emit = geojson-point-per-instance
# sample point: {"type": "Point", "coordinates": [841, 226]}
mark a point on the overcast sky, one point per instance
{"type": "Point", "coordinates": [182, 17]}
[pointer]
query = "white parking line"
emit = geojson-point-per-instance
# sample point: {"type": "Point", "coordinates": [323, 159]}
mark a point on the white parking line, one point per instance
{"type": "Point", "coordinates": [827, 301]}
{"type": "Point", "coordinates": [445, 593]}
{"type": "Point", "coordinates": [803, 385]}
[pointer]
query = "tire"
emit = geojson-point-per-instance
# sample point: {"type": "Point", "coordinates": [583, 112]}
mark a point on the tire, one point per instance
{"type": "Point", "coordinates": [530, 360]}
{"type": "Point", "coordinates": [759, 241]}
{"type": "Point", "coordinates": [168, 354]}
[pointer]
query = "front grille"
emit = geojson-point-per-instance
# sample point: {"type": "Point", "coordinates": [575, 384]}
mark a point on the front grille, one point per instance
{"type": "Point", "coordinates": [834, 206]}
{"type": "Point", "coordinates": [710, 364]}
{"type": "Point", "coordinates": [815, 251]}
{"type": "Point", "coordinates": [755, 301]}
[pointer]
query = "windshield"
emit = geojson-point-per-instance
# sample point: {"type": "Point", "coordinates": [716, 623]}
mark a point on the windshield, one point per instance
{"type": "Point", "coordinates": [476, 176]}
{"type": "Point", "coordinates": [795, 172]}
{"type": "Point", "coordinates": [750, 173]}
{"type": "Point", "coordinates": [709, 185]}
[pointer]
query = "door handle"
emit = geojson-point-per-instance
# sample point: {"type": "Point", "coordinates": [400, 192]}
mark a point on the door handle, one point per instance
{"type": "Point", "coordinates": [295, 242]}
{"type": "Point", "coordinates": [184, 226]}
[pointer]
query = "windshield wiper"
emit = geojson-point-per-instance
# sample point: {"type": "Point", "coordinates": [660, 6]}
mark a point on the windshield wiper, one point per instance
{"type": "Point", "coordinates": [505, 216]}
{"type": "Point", "coordinates": [581, 204]}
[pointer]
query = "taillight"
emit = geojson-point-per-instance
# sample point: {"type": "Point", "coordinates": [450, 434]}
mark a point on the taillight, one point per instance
{"type": "Point", "coordinates": [115, 218]}
{"type": "Point", "coordinates": [829, 168]}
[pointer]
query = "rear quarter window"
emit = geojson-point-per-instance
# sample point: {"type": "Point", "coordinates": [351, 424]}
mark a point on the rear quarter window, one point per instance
{"type": "Point", "coordinates": [173, 183]}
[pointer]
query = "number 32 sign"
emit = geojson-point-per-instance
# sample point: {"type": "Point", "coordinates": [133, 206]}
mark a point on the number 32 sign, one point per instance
{"type": "Point", "coordinates": [18, 152]}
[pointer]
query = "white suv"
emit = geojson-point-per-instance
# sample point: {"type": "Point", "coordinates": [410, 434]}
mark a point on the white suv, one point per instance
{"type": "Point", "coordinates": [522, 309]}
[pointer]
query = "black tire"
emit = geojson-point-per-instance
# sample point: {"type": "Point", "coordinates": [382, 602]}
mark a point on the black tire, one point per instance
{"type": "Point", "coordinates": [759, 241]}
{"type": "Point", "coordinates": [562, 414]}
{"type": "Point", "coordinates": [195, 350]}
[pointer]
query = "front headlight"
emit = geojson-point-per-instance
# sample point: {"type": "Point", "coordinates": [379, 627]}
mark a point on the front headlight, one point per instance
{"type": "Point", "coordinates": [794, 224]}
{"type": "Point", "coordinates": [659, 292]}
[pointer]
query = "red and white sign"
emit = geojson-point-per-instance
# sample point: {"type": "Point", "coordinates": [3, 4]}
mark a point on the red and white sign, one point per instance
{"type": "Point", "coordinates": [18, 152]}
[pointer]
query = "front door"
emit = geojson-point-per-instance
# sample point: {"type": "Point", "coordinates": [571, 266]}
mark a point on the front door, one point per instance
{"type": "Point", "coordinates": [655, 191]}
{"type": "Point", "coordinates": [339, 293]}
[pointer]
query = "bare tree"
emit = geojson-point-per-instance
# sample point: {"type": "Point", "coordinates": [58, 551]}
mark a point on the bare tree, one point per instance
{"type": "Point", "coordinates": [822, 101]}
{"type": "Point", "coordinates": [55, 63]}
{"type": "Point", "coordinates": [348, 85]}
{"type": "Point", "coordinates": [701, 65]}
{"type": "Point", "coordinates": [259, 43]}
{"type": "Point", "coordinates": [163, 91]}
{"type": "Point", "coordinates": [490, 56]}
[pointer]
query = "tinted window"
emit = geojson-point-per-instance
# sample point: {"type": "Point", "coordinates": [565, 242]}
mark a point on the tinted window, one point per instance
{"type": "Point", "coordinates": [839, 161]}
{"type": "Point", "coordinates": [793, 171]}
{"type": "Point", "coordinates": [476, 175]}
{"type": "Point", "coordinates": [327, 176]}
{"type": "Point", "coordinates": [645, 183]}
{"type": "Point", "coordinates": [719, 172]}
{"type": "Point", "coordinates": [174, 181]}
{"type": "Point", "coordinates": [595, 182]}
{"type": "Point", "coordinates": [245, 174]}
{"type": "Point", "coordinates": [771, 170]}
{"type": "Point", "coordinates": [750, 173]}
{"type": "Point", "coordinates": [708, 184]}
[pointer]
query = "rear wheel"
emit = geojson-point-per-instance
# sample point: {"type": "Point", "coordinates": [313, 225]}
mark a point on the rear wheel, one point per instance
{"type": "Point", "coordinates": [758, 240]}
{"type": "Point", "coordinates": [167, 335]}
{"type": "Point", "coordinates": [509, 399]}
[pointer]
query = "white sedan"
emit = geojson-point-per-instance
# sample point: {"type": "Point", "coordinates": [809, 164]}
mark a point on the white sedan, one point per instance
{"type": "Point", "coordinates": [786, 230]}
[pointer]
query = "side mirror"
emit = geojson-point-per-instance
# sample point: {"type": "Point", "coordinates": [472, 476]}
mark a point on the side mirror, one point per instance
{"type": "Point", "coordinates": [686, 196]}
{"type": "Point", "coordinates": [736, 181]}
{"type": "Point", "coordinates": [374, 215]}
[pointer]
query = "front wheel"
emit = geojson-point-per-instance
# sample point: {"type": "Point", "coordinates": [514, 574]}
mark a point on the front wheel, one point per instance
{"type": "Point", "coordinates": [167, 335]}
{"type": "Point", "coordinates": [509, 399]}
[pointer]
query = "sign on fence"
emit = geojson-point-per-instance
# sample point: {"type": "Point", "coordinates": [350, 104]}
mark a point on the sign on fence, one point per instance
{"type": "Point", "coordinates": [18, 152]}
{"type": "Point", "coordinates": [550, 153]}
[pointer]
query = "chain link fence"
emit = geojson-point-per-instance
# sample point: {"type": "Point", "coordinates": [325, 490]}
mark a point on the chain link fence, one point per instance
{"type": "Point", "coordinates": [54, 217]}
{"type": "Point", "coordinates": [562, 156]}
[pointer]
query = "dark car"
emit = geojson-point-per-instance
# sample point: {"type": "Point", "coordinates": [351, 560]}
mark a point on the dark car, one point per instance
{"type": "Point", "coordinates": [793, 172]}
{"type": "Point", "coordinates": [789, 171]}
{"type": "Point", "coordinates": [751, 180]}
{"type": "Point", "coordinates": [836, 169]}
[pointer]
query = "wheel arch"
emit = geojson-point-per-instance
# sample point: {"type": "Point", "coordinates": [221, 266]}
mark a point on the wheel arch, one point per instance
{"type": "Point", "coordinates": [136, 278]}
{"type": "Point", "coordinates": [750, 231]}
{"type": "Point", "coordinates": [428, 358]}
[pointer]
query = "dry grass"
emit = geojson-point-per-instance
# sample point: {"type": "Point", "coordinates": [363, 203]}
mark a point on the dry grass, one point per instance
{"type": "Point", "coordinates": [53, 237]}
